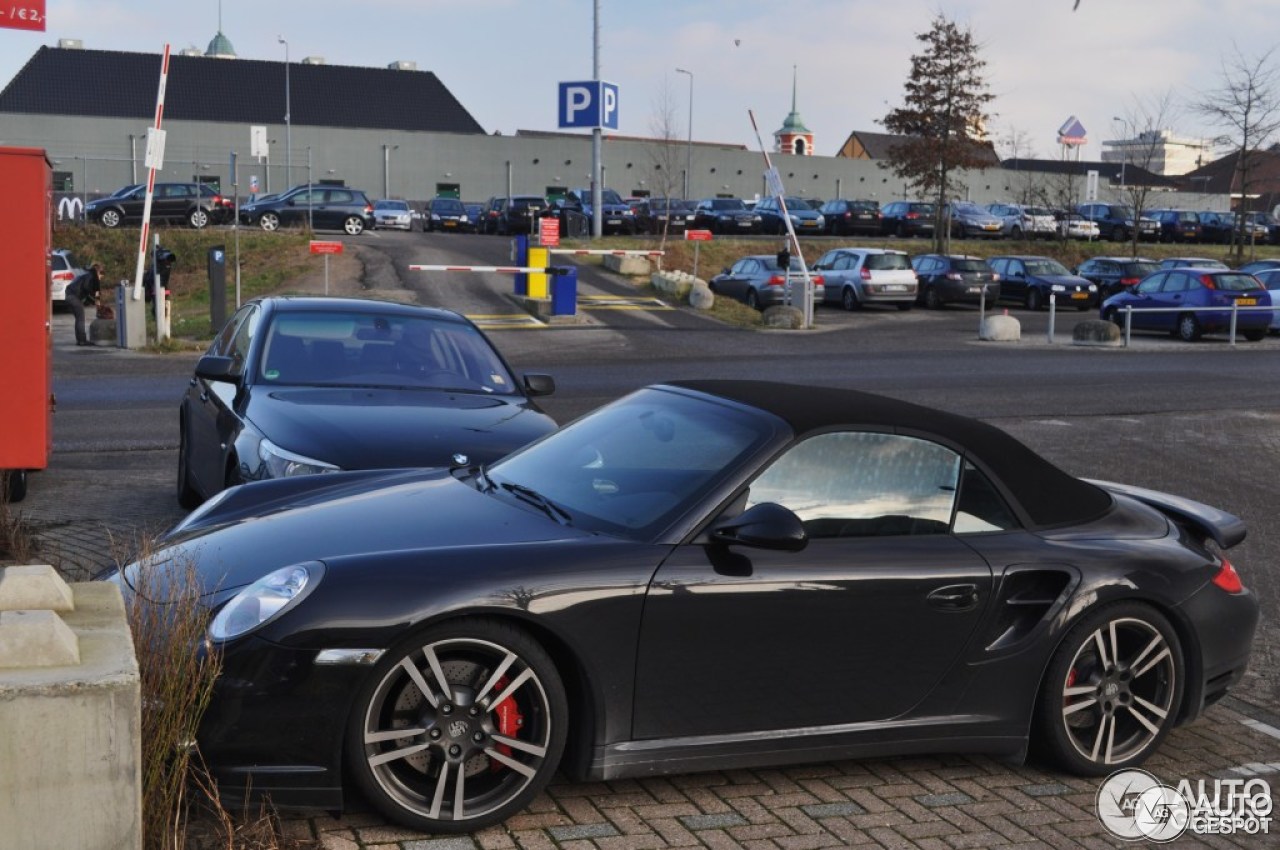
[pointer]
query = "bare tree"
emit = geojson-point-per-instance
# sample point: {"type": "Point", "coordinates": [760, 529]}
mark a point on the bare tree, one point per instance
{"type": "Point", "coordinates": [942, 117]}
{"type": "Point", "coordinates": [1247, 104]}
{"type": "Point", "coordinates": [666, 153]}
{"type": "Point", "coordinates": [1014, 145]}
{"type": "Point", "coordinates": [1144, 122]}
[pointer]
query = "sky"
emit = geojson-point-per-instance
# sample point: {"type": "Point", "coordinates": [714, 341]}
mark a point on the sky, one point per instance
{"type": "Point", "coordinates": [503, 59]}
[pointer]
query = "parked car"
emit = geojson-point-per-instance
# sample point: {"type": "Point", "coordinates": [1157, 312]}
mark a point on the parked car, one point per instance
{"type": "Point", "coordinates": [968, 220]}
{"type": "Point", "coordinates": [1192, 263]}
{"type": "Point", "coordinates": [198, 204]}
{"type": "Point", "coordinates": [1116, 222]}
{"type": "Point", "coordinates": [907, 218]}
{"type": "Point", "coordinates": [759, 282]}
{"type": "Point", "coordinates": [520, 214]}
{"type": "Point", "coordinates": [391, 214]}
{"type": "Point", "coordinates": [488, 221]}
{"type": "Point", "coordinates": [1032, 280]}
{"type": "Point", "coordinates": [63, 269]}
{"type": "Point", "coordinates": [1259, 266]}
{"type": "Point", "coordinates": [475, 212]}
{"type": "Point", "coordinates": [296, 386]}
{"type": "Point", "coordinates": [846, 218]}
{"type": "Point", "coordinates": [326, 207]}
{"type": "Point", "coordinates": [448, 215]}
{"type": "Point", "coordinates": [1177, 225]}
{"type": "Point", "coordinates": [1166, 289]}
{"type": "Point", "coordinates": [1113, 274]}
{"type": "Point", "coordinates": [1268, 222]}
{"type": "Point", "coordinates": [1076, 226]}
{"type": "Point", "coordinates": [1217, 227]}
{"type": "Point", "coordinates": [615, 214]}
{"type": "Point", "coordinates": [655, 214]}
{"type": "Point", "coordinates": [948, 278]}
{"type": "Point", "coordinates": [804, 218]}
{"type": "Point", "coordinates": [725, 215]}
{"type": "Point", "coordinates": [1019, 221]}
{"type": "Point", "coordinates": [437, 637]}
{"type": "Point", "coordinates": [1270, 278]}
{"type": "Point", "coordinates": [853, 277]}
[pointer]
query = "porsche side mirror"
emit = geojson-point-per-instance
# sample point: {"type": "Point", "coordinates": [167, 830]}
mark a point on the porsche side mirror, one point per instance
{"type": "Point", "coordinates": [535, 384]}
{"type": "Point", "coordinates": [767, 525]}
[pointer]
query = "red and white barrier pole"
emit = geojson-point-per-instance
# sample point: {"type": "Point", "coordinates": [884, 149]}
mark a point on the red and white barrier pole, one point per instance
{"type": "Point", "coordinates": [154, 161]}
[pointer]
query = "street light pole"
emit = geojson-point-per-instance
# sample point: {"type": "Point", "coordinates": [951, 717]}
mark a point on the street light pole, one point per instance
{"type": "Point", "coordinates": [688, 154]}
{"type": "Point", "coordinates": [1124, 147]}
{"type": "Point", "coordinates": [386, 169]}
{"type": "Point", "coordinates": [288, 124]}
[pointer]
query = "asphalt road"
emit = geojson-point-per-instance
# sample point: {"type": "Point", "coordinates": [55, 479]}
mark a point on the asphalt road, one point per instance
{"type": "Point", "coordinates": [1201, 420]}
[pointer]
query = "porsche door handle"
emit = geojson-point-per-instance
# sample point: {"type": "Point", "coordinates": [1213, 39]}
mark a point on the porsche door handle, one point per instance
{"type": "Point", "coordinates": [954, 597]}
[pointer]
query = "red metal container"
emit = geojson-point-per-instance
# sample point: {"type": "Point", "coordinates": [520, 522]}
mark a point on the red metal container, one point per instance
{"type": "Point", "coordinates": [26, 342]}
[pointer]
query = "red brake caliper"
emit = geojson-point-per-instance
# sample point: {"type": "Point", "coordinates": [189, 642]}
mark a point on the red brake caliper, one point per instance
{"type": "Point", "coordinates": [509, 721]}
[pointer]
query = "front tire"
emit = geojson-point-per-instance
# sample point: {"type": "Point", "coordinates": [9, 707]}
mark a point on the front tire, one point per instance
{"type": "Point", "coordinates": [188, 497]}
{"type": "Point", "coordinates": [1112, 691]}
{"type": "Point", "coordinates": [111, 218]}
{"type": "Point", "coordinates": [16, 485]}
{"type": "Point", "coordinates": [1035, 300]}
{"type": "Point", "coordinates": [459, 727]}
{"type": "Point", "coordinates": [1255, 335]}
{"type": "Point", "coordinates": [269, 222]}
{"type": "Point", "coordinates": [354, 225]}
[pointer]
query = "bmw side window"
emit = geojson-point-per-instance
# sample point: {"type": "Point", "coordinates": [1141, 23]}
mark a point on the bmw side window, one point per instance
{"type": "Point", "coordinates": [221, 344]}
{"type": "Point", "coordinates": [981, 508]}
{"type": "Point", "coordinates": [861, 484]}
{"type": "Point", "coordinates": [243, 339]}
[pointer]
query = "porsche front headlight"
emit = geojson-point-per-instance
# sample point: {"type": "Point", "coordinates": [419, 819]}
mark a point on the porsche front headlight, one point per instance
{"type": "Point", "coordinates": [265, 599]}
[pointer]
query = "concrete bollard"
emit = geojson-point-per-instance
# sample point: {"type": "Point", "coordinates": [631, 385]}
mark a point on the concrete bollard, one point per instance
{"type": "Point", "coordinates": [1096, 332]}
{"type": "Point", "coordinates": [1001, 328]}
{"type": "Point", "coordinates": [627, 265]}
{"type": "Point", "coordinates": [701, 297]}
{"type": "Point", "coordinates": [70, 708]}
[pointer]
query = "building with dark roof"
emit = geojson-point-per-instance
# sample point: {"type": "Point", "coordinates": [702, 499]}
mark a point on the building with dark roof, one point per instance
{"type": "Point", "coordinates": [391, 131]}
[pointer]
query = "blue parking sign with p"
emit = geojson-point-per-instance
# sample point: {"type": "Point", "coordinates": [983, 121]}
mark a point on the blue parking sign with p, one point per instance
{"type": "Point", "coordinates": [589, 104]}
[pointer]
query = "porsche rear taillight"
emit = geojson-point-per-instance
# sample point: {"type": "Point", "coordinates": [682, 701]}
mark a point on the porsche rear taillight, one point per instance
{"type": "Point", "coordinates": [1228, 579]}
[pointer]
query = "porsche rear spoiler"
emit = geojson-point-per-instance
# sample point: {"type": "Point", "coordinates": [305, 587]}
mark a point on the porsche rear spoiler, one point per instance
{"type": "Point", "coordinates": [1225, 529]}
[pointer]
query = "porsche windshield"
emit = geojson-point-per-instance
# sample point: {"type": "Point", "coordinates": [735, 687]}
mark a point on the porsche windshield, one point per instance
{"type": "Point", "coordinates": [633, 467]}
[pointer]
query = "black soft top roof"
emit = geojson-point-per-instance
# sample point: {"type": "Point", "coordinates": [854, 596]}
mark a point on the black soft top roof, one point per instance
{"type": "Point", "coordinates": [1046, 495]}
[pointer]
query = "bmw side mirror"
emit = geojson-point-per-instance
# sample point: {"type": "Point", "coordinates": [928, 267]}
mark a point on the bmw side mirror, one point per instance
{"type": "Point", "coordinates": [216, 367]}
{"type": "Point", "coordinates": [536, 384]}
{"type": "Point", "coordinates": [767, 525]}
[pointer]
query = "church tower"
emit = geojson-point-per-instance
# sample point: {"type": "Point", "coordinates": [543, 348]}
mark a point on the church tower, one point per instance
{"type": "Point", "coordinates": [794, 137]}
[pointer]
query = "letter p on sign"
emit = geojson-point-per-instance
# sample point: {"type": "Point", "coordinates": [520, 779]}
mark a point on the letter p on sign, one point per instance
{"type": "Point", "coordinates": [588, 105]}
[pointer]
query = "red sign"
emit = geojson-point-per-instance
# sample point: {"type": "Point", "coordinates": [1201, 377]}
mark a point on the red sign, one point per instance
{"type": "Point", "coordinates": [549, 232]}
{"type": "Point", "coordinates": [26, 15]}
{"type": "Point", "coordinates": [318, 247]}
{"type": "Point", "coordinates": [697, 235]}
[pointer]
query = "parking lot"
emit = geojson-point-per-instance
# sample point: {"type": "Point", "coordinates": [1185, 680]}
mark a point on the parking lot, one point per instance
{"type": "Point", "coordinates": [1197, 419]}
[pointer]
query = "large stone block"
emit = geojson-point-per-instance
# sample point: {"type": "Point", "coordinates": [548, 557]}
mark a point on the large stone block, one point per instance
{"type": "Point", "coordinates": [627, 264]}
{"type": "Point", "coordinates": [780, 316]}
{"type": "Point", "coordinates": [1096, 332]}
{"type": "Point", "coordinates": [1001, 328]}
{"type": "Point", "coordinates": [36, 586]}
{"type": "Point", "coordinates": [701, 297]}
{"type": "Point", "coordinates": [70, 763]}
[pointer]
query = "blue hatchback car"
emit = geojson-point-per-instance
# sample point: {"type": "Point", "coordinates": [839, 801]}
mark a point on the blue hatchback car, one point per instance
{"type": "Point", "coordinates": [1172, 300]}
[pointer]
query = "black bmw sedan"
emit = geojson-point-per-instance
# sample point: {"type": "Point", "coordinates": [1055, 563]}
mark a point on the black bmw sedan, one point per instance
{"type": "Point", "coordinates": [297, 386]}
{"type": "Point", "coordinates": [701, 575]}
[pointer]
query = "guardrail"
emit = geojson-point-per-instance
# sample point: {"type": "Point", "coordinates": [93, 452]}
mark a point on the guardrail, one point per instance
{"type": "Point", "coordinates": [1234, 309]}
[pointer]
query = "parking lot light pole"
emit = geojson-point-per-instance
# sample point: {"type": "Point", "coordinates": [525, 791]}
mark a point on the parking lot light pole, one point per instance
{"type": "Point", "coordinates": [288, 124]}
{"type": "Point", "coordinates": [386, 169]}
{"type": "Point", "coordinates": [688, 153]}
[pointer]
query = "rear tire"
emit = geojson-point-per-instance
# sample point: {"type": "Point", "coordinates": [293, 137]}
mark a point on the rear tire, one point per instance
{"type": "Point", "coordinates": [353, 225]}
{"type": "Point", "coordinates": [198, 218]}
{"type": "Point", "coordinates": [753, 300]}
{"type": "Point", "coordinates": [1112, 691]}
{"type": "Point", "coordinates": [1189, 329]}
{"type": "Point", "coordinates": [849, 299]}
{"type": "Point", "coordinates": [932, 300]}
{"type": "Point", "coordinates": [1254, 335]}
{"type": "Point", "coordinates": [16, 485]}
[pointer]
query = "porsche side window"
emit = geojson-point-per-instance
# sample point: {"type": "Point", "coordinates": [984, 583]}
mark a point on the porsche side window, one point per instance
{"type": "Point", "coordinates": [857, 484]}
{"type": "Point", "coordinates": [981, 508]}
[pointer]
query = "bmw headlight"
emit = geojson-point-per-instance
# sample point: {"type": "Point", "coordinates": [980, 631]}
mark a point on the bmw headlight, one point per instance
{"type": "Point", "coordinates": [265, 599]}
{"type": "Point", "coordinates": [282, 463]}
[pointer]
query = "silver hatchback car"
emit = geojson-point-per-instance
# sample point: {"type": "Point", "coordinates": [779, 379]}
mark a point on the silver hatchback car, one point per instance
{"type": "Point", "coordinates": [853, 277]}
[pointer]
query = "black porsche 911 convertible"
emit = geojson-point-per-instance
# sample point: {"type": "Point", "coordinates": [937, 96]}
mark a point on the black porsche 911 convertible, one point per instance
{"type": "Point", "coordinates": [701, 575]}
